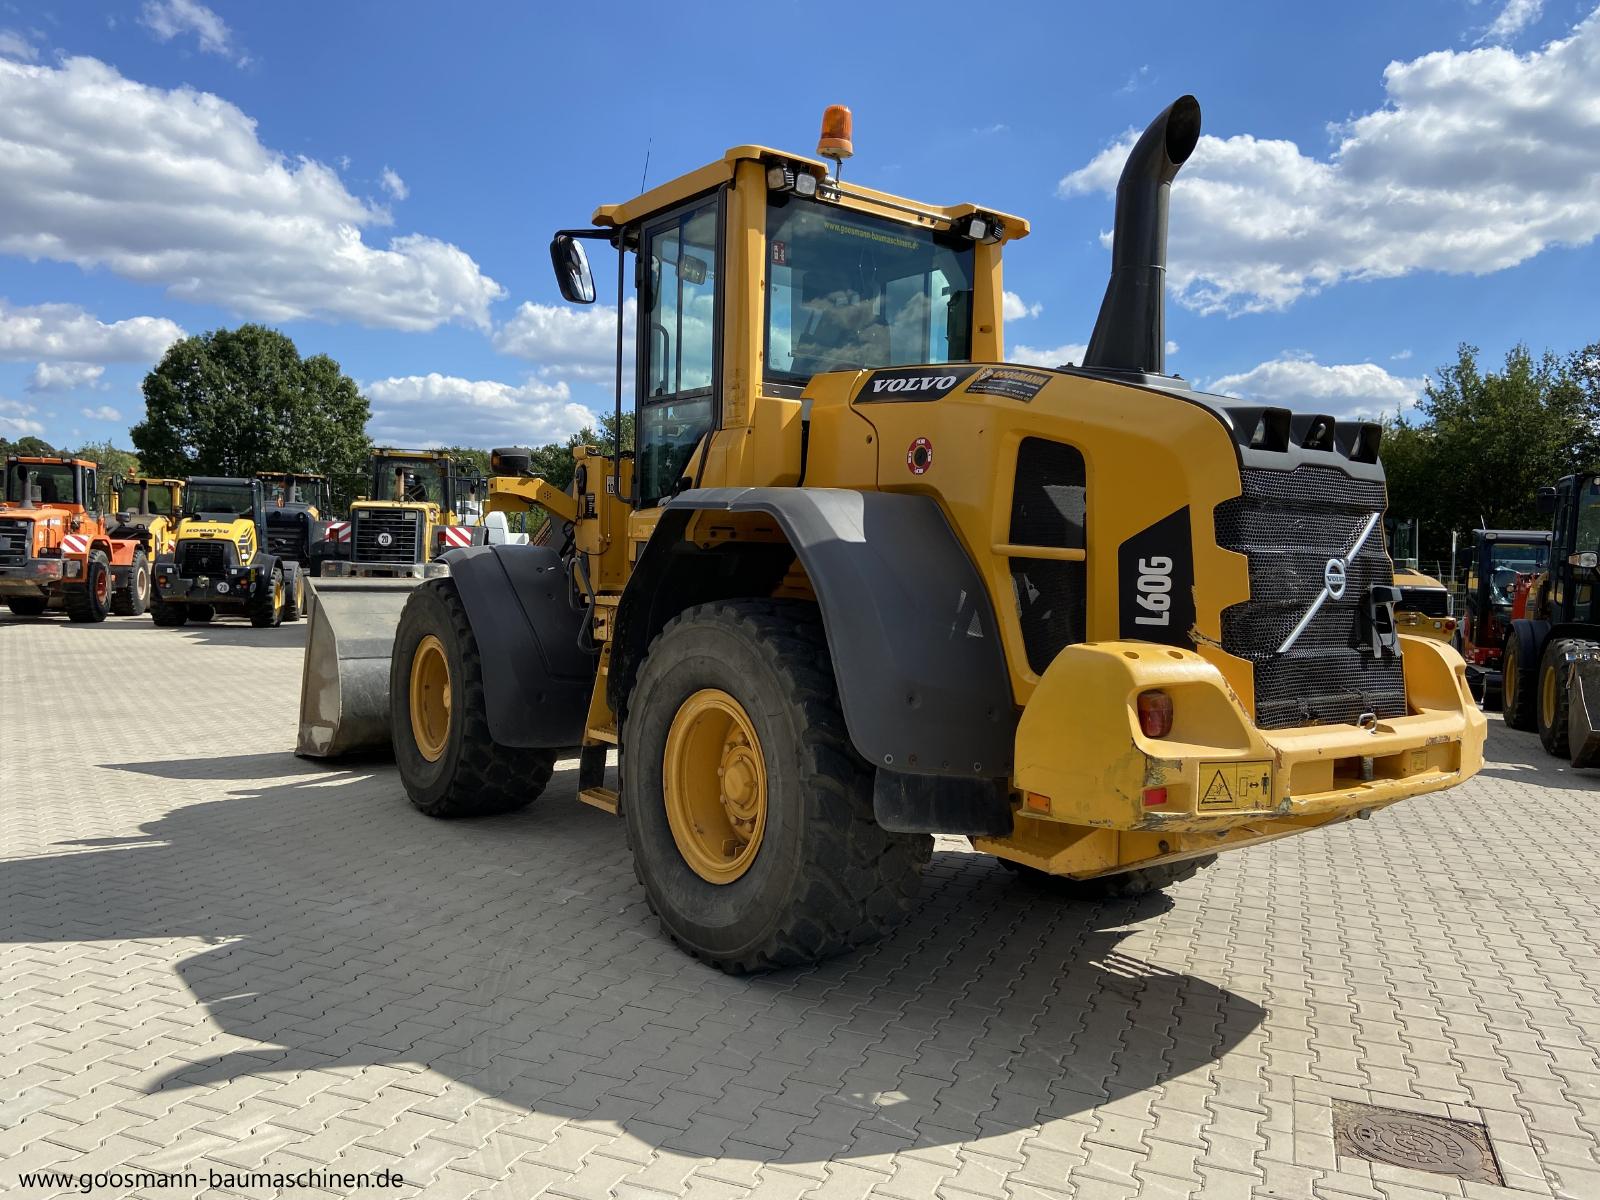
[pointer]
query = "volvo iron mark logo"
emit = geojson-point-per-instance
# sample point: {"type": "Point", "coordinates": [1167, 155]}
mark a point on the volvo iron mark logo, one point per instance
{"type": "Point", "coordinates": [386, 538]}
{"type": "Point", "coordinates": [1333, 576]}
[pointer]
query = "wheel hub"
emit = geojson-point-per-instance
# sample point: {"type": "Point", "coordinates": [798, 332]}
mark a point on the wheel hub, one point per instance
{"type": "Point", "coordinates": [715, 785]}
{"type": "Point", "coordinates": [430, 698]}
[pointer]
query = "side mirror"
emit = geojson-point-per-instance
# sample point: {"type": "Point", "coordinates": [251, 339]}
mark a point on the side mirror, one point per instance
{"type": "Point", "coordinates": [573, 276]}
{"type": "Point", "coordinates": [1545, 501]}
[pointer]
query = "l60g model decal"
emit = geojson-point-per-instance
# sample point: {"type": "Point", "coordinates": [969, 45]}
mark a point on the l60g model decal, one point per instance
{"type": "Point", "coordinates": [1155, 583]}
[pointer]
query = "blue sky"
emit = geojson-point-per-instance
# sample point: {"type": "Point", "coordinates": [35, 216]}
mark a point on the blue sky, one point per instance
{"type": "Point", "coordinates": [1378, 182]}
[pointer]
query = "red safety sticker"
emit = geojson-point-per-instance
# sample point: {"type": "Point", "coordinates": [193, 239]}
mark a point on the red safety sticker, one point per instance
{"type": "Point", "coordinates": [780, 254]}
{"type": "Point", "coordinates": [919, 456]}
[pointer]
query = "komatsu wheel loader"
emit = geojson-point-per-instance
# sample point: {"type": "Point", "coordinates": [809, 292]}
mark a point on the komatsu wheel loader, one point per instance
{"type": "Point", "coordinates": [54, 548]}
{"type": "Point", "coordinates": [864, 581]}
{"type": "Point", "coordinates": [221, 562]}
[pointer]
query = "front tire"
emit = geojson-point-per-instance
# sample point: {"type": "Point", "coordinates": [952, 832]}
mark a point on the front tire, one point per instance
{"type": "Point", "coordinates": [1554, 697]}
{"type": "Point", "coordinates": [749, 812]}
{"type": "Point", "coordinates": [266, 610]}
{"type": "Point", "coordinates": [134, 600]}
{"type": "Point", "coordinates": [295, 603]}
{"type": "Point", "coordinates": [92, 600]}
{"type": "Point", "coordinates": [449, 763]}
{"type": "Point", "coordinates": [1518, 685]}
{"type": "Point", "coordinates": [28, 606]}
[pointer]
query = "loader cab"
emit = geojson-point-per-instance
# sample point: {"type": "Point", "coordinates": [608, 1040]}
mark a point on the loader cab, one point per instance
{"type": "Point", "coordinates": [294, 492]}
{"type": "Point", "coordinates": [216, 507]}
{"type": "Point", "coordinates": [761, 273]}
{"type": "Point", "coordinates": [146, 497]}
{"type": "Point", "coordinates": [1575, 550]}
{"type": "Point", "coordinates": [405, 477]}
{"type": "Point", "coordinates": [68, 483]}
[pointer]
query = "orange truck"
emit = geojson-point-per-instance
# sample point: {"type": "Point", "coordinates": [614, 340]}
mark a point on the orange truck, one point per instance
{"type": "Point", "coordinates": [54, 548]}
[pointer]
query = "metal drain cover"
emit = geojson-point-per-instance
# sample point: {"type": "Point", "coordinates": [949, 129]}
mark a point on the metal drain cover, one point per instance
{"type": "Point", "coordinates": [1422, 1143]}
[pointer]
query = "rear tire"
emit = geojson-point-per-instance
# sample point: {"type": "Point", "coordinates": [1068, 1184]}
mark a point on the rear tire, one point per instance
{"type": "Point", "coordinates": [824, 876]}
{"type": "Point", "coordinates": [134, 600]}
{"type": "Point", "coordinates": [266, 610]}
{"type": "Point", "coordinates": [1518, 686]}
{"type": "Point", "coordinates": [469, 774]}
{"type": "Point", "coordinates": [91, 601]}
{"type": "Point", "coordinates": [294, 602]}
{"type": "Point", "coordinates": [1122, 886]}
{"type": "Point", "coordinates": [28, 606]}
{"type": "Point", "coordinates": [201, 614]}
{"type": "Point", "coordinates": [1553, 695]}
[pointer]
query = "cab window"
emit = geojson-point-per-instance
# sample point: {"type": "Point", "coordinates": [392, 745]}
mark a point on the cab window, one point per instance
{"type": "Point", "coordinates": [677, 344]}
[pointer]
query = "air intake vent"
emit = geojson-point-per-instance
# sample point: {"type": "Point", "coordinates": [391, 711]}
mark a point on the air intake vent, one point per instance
{"type": "Point", "coordinates": [1047, 510]}
{"type": "Point", "coordinates": [386, 536]}
{"type": "Point", "coordinates": [197, 557]}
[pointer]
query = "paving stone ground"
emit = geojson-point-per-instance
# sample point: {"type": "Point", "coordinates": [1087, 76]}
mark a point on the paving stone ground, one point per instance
{"type": "Point", "coordinates": [217, 957]}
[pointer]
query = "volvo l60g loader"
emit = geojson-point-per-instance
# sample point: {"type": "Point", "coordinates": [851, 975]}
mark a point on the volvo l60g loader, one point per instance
{"type": "Point", "coordinates": [54, 548]}
{"type": "Point", "coordinates": [863, 581]}
{"type": "Point", "coordinates": [221, 562]}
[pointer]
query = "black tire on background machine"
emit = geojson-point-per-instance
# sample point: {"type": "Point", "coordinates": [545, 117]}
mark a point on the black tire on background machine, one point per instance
{"type": "Point", "coordinates": [1519, 686]}
{"type": "Point", "coordinates": [266, 610]}
{"type": "Point", "coordinates": [826, 877]}
{"type": "Point", "coordinates": [1553, 734]}
{"type": "Point", "coordinates": [91, 600]}
{"type": "Point", "coordinates": [134, 600]}
{"type": "Point", "coordinates": [28, 606]}
{"type": "Point", "coordinates": [474, 776]}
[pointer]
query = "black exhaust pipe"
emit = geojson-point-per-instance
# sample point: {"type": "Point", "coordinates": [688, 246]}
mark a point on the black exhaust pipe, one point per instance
{"type": "Point", "coordinates": [1130, 333]}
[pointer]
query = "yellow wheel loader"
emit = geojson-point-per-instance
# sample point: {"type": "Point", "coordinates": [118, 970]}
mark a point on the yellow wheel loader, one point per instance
{"type": "Point", "coordinates": [1425, 606]}
{"type": "Point", "coordinates": [419, 508]}
{"type": "Point", "coordinates": [221, 563]}
{"type": "Point", "coordinates": [143, 530]}
{"type": "Point", "coordinates": [863, 581]}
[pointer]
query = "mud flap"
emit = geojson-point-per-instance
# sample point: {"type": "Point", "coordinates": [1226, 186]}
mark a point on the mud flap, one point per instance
{"type": "Point", "coordinates": [344, 686]}
{"type": "Point", "coordinates": [1583, 713]}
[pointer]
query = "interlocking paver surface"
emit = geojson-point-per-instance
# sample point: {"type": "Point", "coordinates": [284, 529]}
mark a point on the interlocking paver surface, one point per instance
{"type": "Point", "coordinates": [217, 957]}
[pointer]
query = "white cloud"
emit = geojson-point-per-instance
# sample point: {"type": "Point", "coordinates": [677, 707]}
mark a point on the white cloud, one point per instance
{"type": "Point", "coordinates": [1342, 390]}
{"type": "Point", "coordinates": [173, 188]}
{"type": "Point", "coordinates": [1015, 308]}
{"type": "Point", "coordinates": [1400, 356]}
{"type": "Point", "coordinates": [998, 127]}
{"type": "Point", "coordinates": [168, 19]}
{"type": "Point", "coordinates": [569, 340]}
{"type": "Point", "coordinates": [14, 420]}
{"type": "Point", "coordinates": [1135, 79]}
{"type": "Point", "coordinates": [16, 45]}
{"type": "Point", "coordinates": [1057, 357]}
{"type": "Point", "coordinates": [393, 184]}
{"type": "Point", "coordinates": [436, 410]}
{"type": "Point", "coordinates": [104, 413]}
{"type": "Point", "coordinates": [65, 333]}
{"type": "Point", "coordinates": [1516, 16]}
{"type": "Point", "coordinates": [1172, 347]}
{"type": "Point", "coordinates": [64, 377]}
{"type": "Point", "coordinates": [1477, 161]}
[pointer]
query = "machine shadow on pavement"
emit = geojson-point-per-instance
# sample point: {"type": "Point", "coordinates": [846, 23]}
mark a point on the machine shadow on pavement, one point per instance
{"type": "Point", "coordinates": [516, 955]}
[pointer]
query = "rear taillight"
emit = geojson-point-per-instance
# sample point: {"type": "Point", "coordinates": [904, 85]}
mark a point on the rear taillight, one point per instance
{"type": "Point", "coordinates": [1155, 713]}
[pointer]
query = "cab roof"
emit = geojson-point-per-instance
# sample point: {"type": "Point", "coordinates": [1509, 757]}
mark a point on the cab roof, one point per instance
{"type": "Point", "coordinates": [391, 452]}
{"type": "Point", "coordinates": [685, 187]}
{"type": "Point", "coordinates": [220, 481]}
{"type": "Point", "coordinates": [53, 460]}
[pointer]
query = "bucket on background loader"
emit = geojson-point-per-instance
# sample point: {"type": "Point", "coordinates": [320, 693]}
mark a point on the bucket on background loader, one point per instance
{"type": "Point", "coordinates": [344, 691]}
{"type": "Point", "coordinates": [1583, 713]}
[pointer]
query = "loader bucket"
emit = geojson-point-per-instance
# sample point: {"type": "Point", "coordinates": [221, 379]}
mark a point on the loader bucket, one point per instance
{"type": "Point", "coordinates": [344, 689]}
{"type": "Point", "coordinates": [1583, 713]}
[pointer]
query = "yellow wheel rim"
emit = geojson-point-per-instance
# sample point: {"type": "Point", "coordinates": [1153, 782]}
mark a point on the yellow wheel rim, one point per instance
{"type": "Point", "coordinates": [715, 779]}
{"type": "Point", "coordinates": [1547, 697]}
{"type": "Point", "coordinates": [430, 698]}
{"type": "Point", "coordinates": [277, 594]}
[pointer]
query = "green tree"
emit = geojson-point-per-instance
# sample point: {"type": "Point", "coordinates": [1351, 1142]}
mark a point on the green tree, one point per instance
{"type": "Point", "coordinates": [238, 401]}
{"type": "Point", "coordinates": [1483, 442]}
{"type": "Point", "coordinates": [29, 446]}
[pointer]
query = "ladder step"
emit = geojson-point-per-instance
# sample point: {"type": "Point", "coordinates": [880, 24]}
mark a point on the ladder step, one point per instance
{"type": "Point", "coordinates": [602, 798]}
{"type": "Point", "coordinates": [600, 733]}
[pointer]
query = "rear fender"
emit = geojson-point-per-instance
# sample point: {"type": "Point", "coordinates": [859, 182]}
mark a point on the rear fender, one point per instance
{"type": "Point", "coordinates": [537, 677]}
{"type": "Point", "coordinates": [915, 644]}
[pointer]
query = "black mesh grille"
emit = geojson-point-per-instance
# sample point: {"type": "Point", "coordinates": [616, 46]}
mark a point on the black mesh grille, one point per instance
{"type": "Point", "coordinates": [1047, 506]}
{"type": "Point", "coordinates": [1289, 524]}
{"type": "Point", "coordinates": [1430, 602]}
{"type": "Point", "coordinates": [16, 539]}
{"type": "Point", "coordinates": [386, 536]}
{"type": "Point", "coordinates": [202, 558]}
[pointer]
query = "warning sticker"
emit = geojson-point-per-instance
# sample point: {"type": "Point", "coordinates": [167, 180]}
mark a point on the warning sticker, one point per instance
{"type": "Point", "coordinates": [1235, 786]}
{"type": "Point", "coordinates": [1012, 382]}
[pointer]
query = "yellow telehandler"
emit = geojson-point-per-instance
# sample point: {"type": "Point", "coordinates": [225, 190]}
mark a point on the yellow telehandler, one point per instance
{"type": "Point", "coordinates": [863, 581]}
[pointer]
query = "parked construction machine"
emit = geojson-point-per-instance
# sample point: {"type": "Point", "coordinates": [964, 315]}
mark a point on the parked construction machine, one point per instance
{"type": "Point", "coordinates": [296, 504]}
{"type": "Point", "coordinates": [142, 530]}
{"type": "Point", "coordinates": [54, 548]}
{"type": "Point", "coordinates": [1550, 676]}
{"type": "Point", "coordinates": [418, 509]}
{"type": "Point", "coordinates": [1500, 557]}
{"type": "Point", "coordinates": [1425, 606]}
{"type": "Point", "coordinates": [221, 562]}
{"type": "Point", "coordinates": [862, 581]}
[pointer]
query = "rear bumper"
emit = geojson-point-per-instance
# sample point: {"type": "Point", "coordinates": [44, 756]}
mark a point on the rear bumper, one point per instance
{"type": "Point", "coordinates": [231, 586]}
{"type": "Point", "coordinates": [1217, 780]}
{"type": "Point", "coordinates": [345, 569]}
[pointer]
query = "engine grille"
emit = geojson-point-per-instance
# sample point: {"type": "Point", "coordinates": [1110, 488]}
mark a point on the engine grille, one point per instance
{"type": "Point", "coordinates": [1047, 509]}
{"type": "Point", "coordinates": [404, 540]}
{"type": "Point", "coordinates": [200, 557]}
{"type": "Point", "coordinates": [1289, 524]}
{"type": "Point", "coordinates": [15, 539]}
{"type": "Point", "coordinates": [1430, 602]}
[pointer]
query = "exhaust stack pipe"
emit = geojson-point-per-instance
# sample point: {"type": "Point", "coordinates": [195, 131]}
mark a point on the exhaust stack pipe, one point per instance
{"type": "Point", "coordinates": [1130, 333]}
